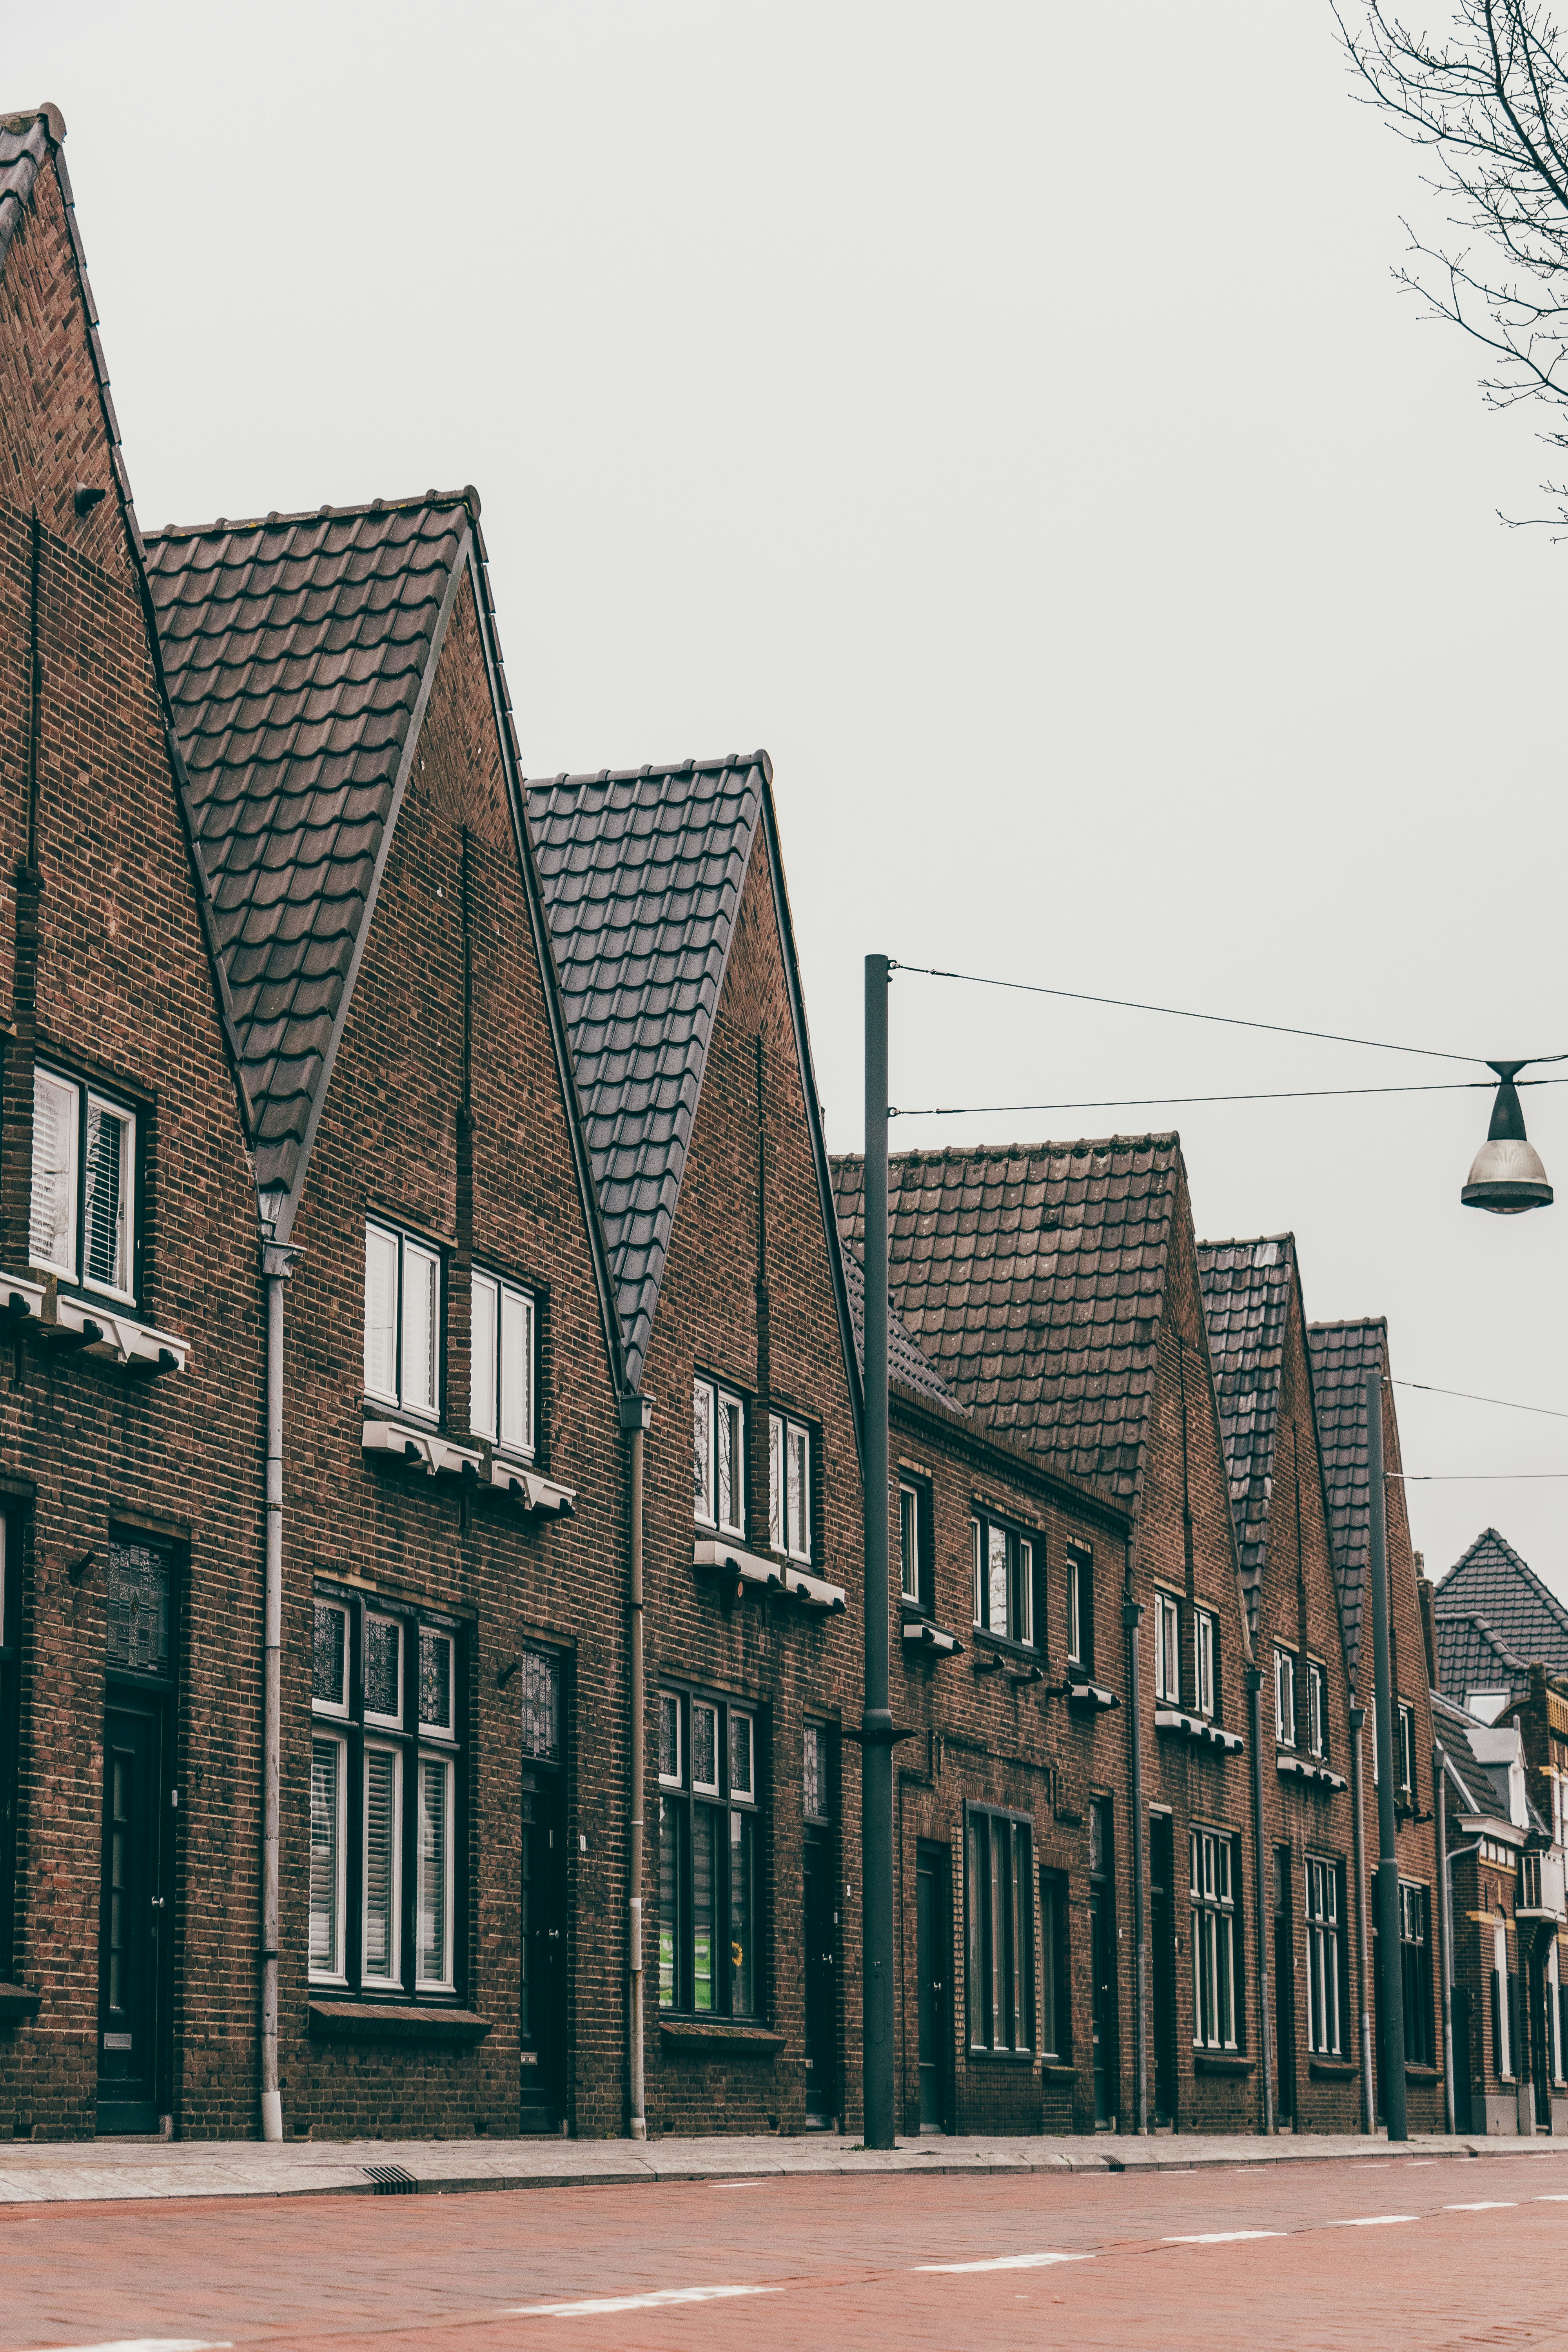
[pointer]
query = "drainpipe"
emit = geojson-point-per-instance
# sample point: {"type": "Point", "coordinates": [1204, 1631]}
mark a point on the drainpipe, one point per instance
{"type": "Point", "coordinates": [1368, 2091]}
{"type": "Point", "coordinates": [1390, 1989]}
{"type": "Point", "coordinates": [1132, 1617]}
{"type": "Point", "coordinates": [636, 1413]}
{"type": "Point", "coordinates": [1445, 1928]}
{"type": "Point", "coordinates": [1254, 1721]}
{"type": "Point", "coordinates": [276, 1264]}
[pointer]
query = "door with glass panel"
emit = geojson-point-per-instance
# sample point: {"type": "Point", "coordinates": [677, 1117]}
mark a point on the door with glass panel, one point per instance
{"type": "Point", "coordinates": [1103, 1962]}
{"type": "Point", "coordinates": [132, 1922]}
{"type": "Point", "coordinates": [1163, 1958]}
{"type": "Point", "coordinates": [541, 2019]}
{"type": "Point", "coordinates": [1284, 1986]}
{"type": "Point", "coordinates": [933, 1983]}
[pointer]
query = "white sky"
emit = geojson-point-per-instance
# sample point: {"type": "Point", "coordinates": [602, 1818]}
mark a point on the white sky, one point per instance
{"type": "Point", "coordinates": [1004, 414]}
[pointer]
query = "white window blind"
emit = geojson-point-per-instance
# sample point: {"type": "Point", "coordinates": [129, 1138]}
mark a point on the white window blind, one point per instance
{"type": "Point", "coordinates": [433, 1898]}
{"type": "Point", "coordinates": [789, 1486]}
{"type": "Point", "coordinates": [382, 1772]}
{"type": "Point", "coordinates": [381, 1313]}
{"type": "Point", "coordinates": [421, 1295]}
{"type": "Point", "coordinates": [517, 1369]}
{"type": "Point", "coordinates": [908, 1544]}
{"type": "Point", "coordinates": [1167, 1650]}
{"type": "Point", "coordinates": [111, 1158]}
{"type": "Point", "coordinates": [483, 1364]}
{"type": "Point", "coordinates": [53, 1220]}
{"type": "Point", "coordinates": [1203, 1659]}
{"type": "Point", "coordinates": [326, 1858]}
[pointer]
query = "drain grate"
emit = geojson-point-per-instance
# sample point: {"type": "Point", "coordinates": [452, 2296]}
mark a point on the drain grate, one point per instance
{"type": "Point", "coordinates": [391, 2181]}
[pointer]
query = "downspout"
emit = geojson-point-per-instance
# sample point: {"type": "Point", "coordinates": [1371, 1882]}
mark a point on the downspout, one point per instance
{"type": "Point", "coordinates": [1445, 1928]}
{"type": "Point", "coordinates": [636, 1413]}
{"type": "Point", "coordinates": [1368, 2094]}
{"type": "Point", "coordinates": [276, 1264]}
{"type": "Point", "coordinates": [1254, 1723]}
{"type": "Point", "coordinates": [1132, 1617]}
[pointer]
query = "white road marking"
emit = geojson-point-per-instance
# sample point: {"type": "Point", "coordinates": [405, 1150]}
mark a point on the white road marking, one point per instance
{"type": "Point", "coordinates": [1554, 2198]}
{"type": "Point", "coordinates": [1223, 2237]}
{"type": "Point", "coordinates": [1006, 2263]}
{"type": "Point", "coordinates": [655, 2300]}
{"type": "Point", "coordinates": [759, 2183]}
{"type": "Point", "coordinates": [1485, 2205]}
{"type": "Point", "coordinates": [1371, 2220]}
{"type": "Point", "coordinates": [151, 2344]}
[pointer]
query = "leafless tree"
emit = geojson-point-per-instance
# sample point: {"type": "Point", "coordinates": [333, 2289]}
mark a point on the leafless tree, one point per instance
{"type": "Point", "coordinates": [1490, 105]}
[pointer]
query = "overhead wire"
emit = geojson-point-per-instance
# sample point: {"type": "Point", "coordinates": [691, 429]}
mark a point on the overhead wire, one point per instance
{"type": "Point", "coordinates": [1178, 1102]}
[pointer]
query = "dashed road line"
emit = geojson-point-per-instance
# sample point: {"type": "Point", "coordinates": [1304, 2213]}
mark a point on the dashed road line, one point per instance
{"type": "Point", "coordinates": [1223, 2237]}
{"type": "Point", "coordinates": [1485, 2205]}
{"type": "Point", "coordinates": [1006, 2263]}
{"type": "Point", "coordinates": [1372, 2220]}
{"type": "Point", "coordinates": [656, 2299]}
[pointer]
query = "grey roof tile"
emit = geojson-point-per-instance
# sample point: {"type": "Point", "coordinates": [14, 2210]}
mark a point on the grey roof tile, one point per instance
{"type": "Point", "coordinates": [295, 650]}
{"type": "Point", "coordinates": [642, 873]}
{"type": "Point", "coordinates": [1472, 1657]}
{"type": "Point", "coordinates": [1342, 1354]}
{"type": "Point", "coordinates": [1491, 1580]}
{"type": "Point", "coordinates": [24, 144]}
{"type": "Point", "coordinates": [1485, 1785]}
{"type": "Point", "coordinates": [1032, 1279]}
{"type": "Point", "coordinates": [906, 1363]}
{"type": "Point", "coordinates": [1247, 1300]}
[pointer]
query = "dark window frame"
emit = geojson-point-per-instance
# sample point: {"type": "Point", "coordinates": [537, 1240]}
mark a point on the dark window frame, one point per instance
{"type": "Point", "coordinates": [1079, 1580]}
{"type": "Point", "coordinates": [999, 1986]}
{"type": "Point", "coordinates": [1025, 1581]}
{"type": "Point", "coordinates": [918, 1490]}
{"type": "Point", "coordinates": [684, 1805]}
{"type": "Point", "coordinates": [11, 1536]}
{"type": "Point", "coordinates": [1404, 1748]}
{"type": "Point", "coordinates": [125, 1103]}
{"type": "Point", "coordinates": [1055, 2028]}
{"type": "Point", "coordinates": [1324, 1907]}
{"type": "Point", "coordinates": [1415, 1970]}
{"type": "Point", "coordinates": [1227, 1973]}
{"type": "Point", "coordinates": [352, 1732]}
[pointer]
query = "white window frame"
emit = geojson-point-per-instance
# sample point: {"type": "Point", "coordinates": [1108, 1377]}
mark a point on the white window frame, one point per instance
{"type": "Point", "coordinates": [1325, 2026]}
{"type": "Point", "coordinates": [1284, 1697]}
{"type": "Point", "coordinates": [72, 1264]}
{"type": "Point", "coordinates": [377, 1617]}
{"type": "Point", "coordinates": [1404, 1748]}
{"type": "Point", "coordinates": [425, 1757]}
{"type": "Point", "coordinates": [909, 1542]}
{"type": "Point", "coordinates": [669, 1708]}
{"type": "Point", "coordinates": [411, 1251]}
{"type": "Point", "coordinates": [504, 1319]}
{"type": "Point", "coordinates": [1316, 1708]}
{"type": "Point", "coordinates": [1206, 1661]}
{"type": "Point", "coordinates": [1167, 1649]}
{"type": "Point", "coordinates": [705, 1788]}
{"type": "Point", "coordinates": [985, 1534]}
{"type": "Point", "coordinates": [786, 1437]}
{"type": "Point", "coordinates": [1503, 1999]}
{"type": "Point", "coordinates": [324, 1736]}
{"type": "Point", "coordinates": [392, 1977]}
{"type": "Point", "coordinates": [1213, 1931]}
{"type": "Point", "coordinates": [1080, 1570]}
{"type": "Point", "coordinates": [713, 1402]}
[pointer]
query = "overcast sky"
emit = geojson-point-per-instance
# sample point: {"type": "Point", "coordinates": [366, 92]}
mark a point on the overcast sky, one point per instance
{"type": "Point", "coordinates": [1003, 414]}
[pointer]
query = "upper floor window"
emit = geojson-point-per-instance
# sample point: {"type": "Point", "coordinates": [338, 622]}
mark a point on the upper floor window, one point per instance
{"type": "Point", "coordinates": [501, 1381]}
{"type": "Point", "coordinates": [719, 1457]}
{"type": "Point", "coordinates": [1284, 1698]}
{"type": "Point", "coordinates": [1167, 1649]}
{"type": "Point", "coordinates": [1317, 1710]}
{"type": "Point", "coordinates": [1206, 1661]}
{"type": "Point", "coordinates": [1003, 1579]}
{"type": "Point", "coordinates": [789, 1486]}
{"type": "Point", "coordinates": [916, 1547]}
{"type": "Point", "coordinates": [402, 1320]}
{"type": "Point", "coordinates": [1404, 1749]}
{"type": "Point", "coordinates": [1080, 1611]}
{"type": "Point", "coordinates": [83, 1215]}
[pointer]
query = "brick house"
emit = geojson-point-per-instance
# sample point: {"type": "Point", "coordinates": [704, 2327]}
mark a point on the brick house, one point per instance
{"type": "Point", "coordinates": [1342, 1356]}
{"type": "Point", "coordinates": [1257, 1336]}
{"type": "Point", "coordinates": [670, 929]}
{"type": "Point", "coordinates": [1007, 1947]}
{"type": "Point", "coordinates": [1054, 1290]}
{"type": "Point", "coordinates": [131, 1500]}
{"type": "Point", "coordinates": [1492, 1618]}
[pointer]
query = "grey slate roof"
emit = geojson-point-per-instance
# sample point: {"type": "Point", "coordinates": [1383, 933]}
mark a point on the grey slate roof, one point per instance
{"type": "Point", "coordinates": [642, 873]}
{"type": "Point", "coordinates": [1246, 1301]}
{"type": "Point", "coordinates": [1471, 1657]}
{"type": "Point", "coordinates": [1491, 1580]}
{"type": "Point", "coordinates": [23, 146]}
{"type": "Point", "coordinates": [1033, 1279]}
{"type": "Point", "coordinates": [297, 652]}
{"type": "Point", "coordinates": [1342, 1354]}
{"type": "Point", "coordinates": [906, 1364]}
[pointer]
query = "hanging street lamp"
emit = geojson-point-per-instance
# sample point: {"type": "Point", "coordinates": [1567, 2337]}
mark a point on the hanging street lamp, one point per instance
{"type": "Point", "coordinates": [1506, 1176]}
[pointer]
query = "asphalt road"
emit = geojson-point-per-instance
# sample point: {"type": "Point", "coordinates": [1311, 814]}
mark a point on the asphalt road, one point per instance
{"type": "Point", "coordinates": [1418, 2254]}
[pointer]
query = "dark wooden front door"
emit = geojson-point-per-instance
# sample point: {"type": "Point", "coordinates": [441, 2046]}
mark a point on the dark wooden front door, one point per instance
{"type": "Point", "coordinates": [1464, 2062]}
{"type": "Point", "coordinates": [1103, 1957]}
{"type": "Point", "coordinates": [933, 1987]}
{"type": "Point", "coordinates": [1284, 1986]}
{"type": "Point", "coordinates": [821, 1935]}
{"type": "Point", "coordinates": [542, 1999]}
{"type": "Point", "coordinates": [135, 1925]}
{"type": "Point", "coordinates": [1540, 2037]}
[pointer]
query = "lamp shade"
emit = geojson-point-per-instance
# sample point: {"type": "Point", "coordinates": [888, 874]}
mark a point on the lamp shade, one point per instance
{"type": "Point", "coordinates": [1506, 1175]}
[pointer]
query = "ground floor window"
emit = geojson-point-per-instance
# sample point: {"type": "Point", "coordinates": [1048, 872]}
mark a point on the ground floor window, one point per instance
{"type": "Point", "coordinates": [10, 1727]}
{"type": "Point", "coordinates": [1416, 1971]}
{"type": "Point", "coordinates": [710, 1897]}
{"type": "Point", "coordinates": [1325, 2017]}
{"type": "Point", "coordinates": [384, 1844]}
{"type": "Point", "coordinates": [1215, 2003]}
{"type": "Point", "coordinates": [1056, 1978]}
{"type": "Point", "coordinates": [1001, 1931]}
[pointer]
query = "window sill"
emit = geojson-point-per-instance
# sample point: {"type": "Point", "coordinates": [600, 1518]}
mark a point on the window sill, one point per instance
{"type": "Point", "coordinates": [535, 1492]}
{"type": "Point", "coordinates": [17, 2006]}
{"type": "Point", "coordinates": [1090, 1697]}
{"type": "Point", "coordinates": [421, 1449]}
{"type": "Point", "coordinates": [1223, 2062]}
{"type": "Point", "coordinates": [924, 1638]}
{"type": "Point", "coordinates": [1416, 2072]}
{"type": "Point", "coordinates": [1317, 1775]}
{"type": "Point", "coordinates": [1058, 2069]}
{"type": "Point", "coordinates": [698, 2036]}
{"type": "Point", "coordinates": [1331, 2070]}
{"type": "Point", "coordinates": [717, 1555]}
{"type": "Point", "coordinates": [1002, 1647]}
{"type": "Point", "coordinates": [369, 2021]}
{"type": "Point", "coordinates": [977, 2054]}
{"type": "Point", "coordinates": [1198, 1729]}
{"type": "Point", "coordinates": [109, 1332]}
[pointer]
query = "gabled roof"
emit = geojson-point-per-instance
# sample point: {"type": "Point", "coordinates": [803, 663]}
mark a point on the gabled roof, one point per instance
{"type": "Point", "coordinates": [642, 872]}
{"type": "Point", "coordinates": [1471, 1657]}
{"type": "Point", "coordinates": [24, 141]}
{"type": "Point", "coordinates": [907, 1365]}
{"type": "Point", "coordinates": [1481, 1788]}
{"type": "Point", "coordinates": [1033, 1279]}
{"type": "Point", "coordinates": [1342, 1354]}
{"type": "Point", "coordinates": [1247, 1303]}
{"type": "Point", "coordinates": [1490, 1579]}
{"type": "Point", "coordinates": [298, 652]}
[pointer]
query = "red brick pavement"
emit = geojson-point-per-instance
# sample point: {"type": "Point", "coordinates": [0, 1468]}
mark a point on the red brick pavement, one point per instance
{"type": "Point", "coordinates": [838, 2257]}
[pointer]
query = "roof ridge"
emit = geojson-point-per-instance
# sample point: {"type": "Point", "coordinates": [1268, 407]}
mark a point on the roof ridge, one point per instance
{"type": "Point", "coordinates": [730, 762]}
{"type": "Point", "coordinates": [1249, 1241]}
{"type": "Point", "coordinates": [1353, 1323]}
{"type": "Point", "coordinates": [1014, 1151]}
{"type": "Point", "coordinates": [467, 496]}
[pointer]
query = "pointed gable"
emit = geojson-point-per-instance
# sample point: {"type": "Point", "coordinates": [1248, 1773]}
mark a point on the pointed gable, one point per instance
{"type": "Point", "coordinates": [1520, 1618]}
{"type": "Point", "coordinates": [1034, 1280]}
{"type": "Point", "coordinates": [1247, 1303]}
{"type": "Point", "coordinates": [298, 652]}
{"type": "Point", "coordinates": [1342, 1355]}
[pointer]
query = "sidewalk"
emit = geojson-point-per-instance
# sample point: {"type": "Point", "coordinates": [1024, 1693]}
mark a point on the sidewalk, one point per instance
{"type": "Point", "coordinates": [90, 2172]}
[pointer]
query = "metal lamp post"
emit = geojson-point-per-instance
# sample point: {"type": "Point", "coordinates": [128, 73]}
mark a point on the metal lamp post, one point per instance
{"type": "Point", "coordinates": [1390, 1985]}
{"type": "Point", "coordinates": [876, 1721]}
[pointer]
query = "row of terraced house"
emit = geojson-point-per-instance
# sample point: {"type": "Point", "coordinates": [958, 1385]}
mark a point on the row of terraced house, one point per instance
{"type": "Point", "coordinates": [430, 1433]}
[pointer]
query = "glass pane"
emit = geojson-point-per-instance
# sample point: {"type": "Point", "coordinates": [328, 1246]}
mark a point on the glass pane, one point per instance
{"type": "Point", "coordinates": [704, 1745]}
{"type": "Point", "coordinates": [729, 1463]}
{"type": "Point", "coordinates": [517, 1370]}
{"type": "Point", "coordinates": [978, 2002]}
{"type": "Point", "coordinates": [908, 1545]}
{"type": "Point", "coordinates": [380, 1313]}
{"type": "Point", "coordinates": [979, 1579]}
{"type": "Point", "coordinates": [702, 1449]}
{"type": "Point", "coordinates": [996, 1930]}
{"type": "Point", "coordinates": [1020, 1617]}
{"type": "Point", "coordinates": [107, 1205]}
{"type": "Point", "coordinates": [435, 1679]}
{"type": "Point", "coordinates": [421, 1296]}
{"type": "Point", "coordinates": [380, 1863]}
{"type": "Point", "coordinates": [325, 1779]}
{"type": "Point", "coordinates": [670, 1817]}
{"type": "Point", "coordinates": [540, 1679]}
{"type": "Point", "coordinates": [799, 1494]}
{"type": "Point", "coordinates": [1075, 1636]}
{"type": "Point", "coordinates": [1049, 2046]}
{"type": "Point", "coordinates": [669, 1736]}
{"type": "Point", "coordinates": [327, 1682]}
{"type": "Point", "coordinates": [482, 1361]}
{"type": "Point", "coordinates": [741, 1756]}
{"type": "Point", "coordinates": [775, 1483]}
{"type": "Point", "coordinates": [704, 1873]}
{"type": "Point", "coordinates": [743, 1908]}
{"type": "Point", "coordinates": [383, 1661]}
{"type": "Point", "coordinates": [815, 1793]}
{"type": "Point", "coordinates": [434, 1868]}
{"type": "Point", "coordinates": [996, 1581]}
{"type": "Point", "coordinates": [136, 1582]}
{"type": "Point", "coordinates": [52, 1240]}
